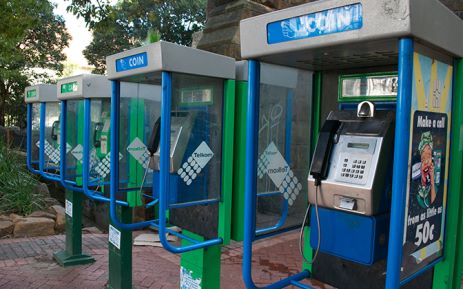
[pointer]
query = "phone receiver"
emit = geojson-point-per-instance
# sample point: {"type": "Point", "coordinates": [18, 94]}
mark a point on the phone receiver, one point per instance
{"type": "Point", "coordinates": [319, 167]}
{"type": "Point", "coordinates": [54, 135]}
{"type": "Point", "coordinates": [154, 139]}
{"type": "Point", "coordinates": [98, 127]}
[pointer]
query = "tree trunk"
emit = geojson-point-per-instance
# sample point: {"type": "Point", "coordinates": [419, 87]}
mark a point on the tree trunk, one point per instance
{"type": "Point", "coordinates": [3, 96]}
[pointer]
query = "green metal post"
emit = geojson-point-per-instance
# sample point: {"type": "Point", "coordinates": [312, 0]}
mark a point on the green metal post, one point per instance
{"type": "Point", "coordinates": [120, 253]}
{"type": "Point", "coordinates": [72, 255]}
{"type": "Point", "coordinates": [202, 267]}
{"type": "Point", "coordinates": [241, 97]}
{"type": "Point", "coordinates": [316, 108]}
{"type": "Point", "coordinates": [457, 273]}
{"type": "Point", "coordinates": [446, 273]}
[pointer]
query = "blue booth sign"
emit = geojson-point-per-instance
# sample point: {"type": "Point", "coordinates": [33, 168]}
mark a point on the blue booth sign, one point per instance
{"type": "Point", "coordinates": [340, 19]}
{"type": "Point", "coordinates": [132, 62]}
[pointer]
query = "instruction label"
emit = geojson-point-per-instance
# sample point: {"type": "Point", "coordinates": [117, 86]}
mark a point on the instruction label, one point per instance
{"type": "Point", "coordinates": [187, 281]}
{"type": "Point", "coordinates": [68, 208]}
{"type": "Point", "coordinates": [114, 237]}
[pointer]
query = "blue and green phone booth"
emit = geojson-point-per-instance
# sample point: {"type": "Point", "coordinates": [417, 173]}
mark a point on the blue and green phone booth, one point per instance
{"type": "Point", "coordinates": [384, 179]}
{"type": "Point", "coordinates": [42, 145]}
{"type": "Point", "coordinates": [86, 106]}
{"type": "Point", "coordinates": [187, 148]}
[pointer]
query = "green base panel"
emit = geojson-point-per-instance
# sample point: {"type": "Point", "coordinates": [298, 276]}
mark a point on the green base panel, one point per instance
{"type": "Point", "coordinates": [66, 260]}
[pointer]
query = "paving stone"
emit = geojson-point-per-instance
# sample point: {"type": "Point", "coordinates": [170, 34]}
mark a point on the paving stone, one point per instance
{"type": "Point", "coordinates": [33, 227]}
{"type": "Point", "coordinates": [6, 228]}
{"type": "Point", "coordinates": [60, 217]}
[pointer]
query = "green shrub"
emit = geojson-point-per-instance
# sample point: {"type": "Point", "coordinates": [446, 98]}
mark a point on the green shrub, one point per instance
{"type": "Point", "coordinates": [18, 192]}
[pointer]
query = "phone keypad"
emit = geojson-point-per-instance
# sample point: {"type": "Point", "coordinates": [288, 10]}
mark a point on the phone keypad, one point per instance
{"type": "Point", "coordinates": [353, 170]}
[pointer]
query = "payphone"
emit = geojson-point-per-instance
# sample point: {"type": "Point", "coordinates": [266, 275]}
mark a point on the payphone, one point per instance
{"type": "Point", "coordinates": [351, 174]}
{"type": "Point", "coordinates": [353, 161]}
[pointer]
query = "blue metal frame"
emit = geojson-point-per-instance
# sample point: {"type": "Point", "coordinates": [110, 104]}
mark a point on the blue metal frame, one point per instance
{"type": "Point", "coordinates": [160, 223]}
{"type": "Point", "coordinates": [42, 169]}
{"type": "Point", "coordinates": [401, 149]}
{"type": "Point", "coordinates": [91, 194]}
{"type": "Point", "coordinates": [250, 184]}
{"type": "Point", "coordinates": [262, 232]}
{"type": "Point", "coordinates": [114, 161]}
{"type": "Point", "coordinates": [29, 141]}
{"type": "Point", "coordinates": [164, 175]}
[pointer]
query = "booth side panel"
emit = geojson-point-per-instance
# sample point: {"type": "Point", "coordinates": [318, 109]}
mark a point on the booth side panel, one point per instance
{"type": "Point", "coordinates": [225, 206]}
{"type": "Point", "coordinates": [80, 139]}
{"type": "Point", "coordinates": [444, 271]}
{"type": "Point", "coordinates": [239, 155]}
{"type": "Point", "coordinates": [316, 108]}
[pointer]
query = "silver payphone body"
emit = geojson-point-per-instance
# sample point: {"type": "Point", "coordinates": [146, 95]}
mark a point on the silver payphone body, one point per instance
{"type": "Point", "coordinates": [355, 158]}
{"type": "Point", "coordinates": [180, 132]}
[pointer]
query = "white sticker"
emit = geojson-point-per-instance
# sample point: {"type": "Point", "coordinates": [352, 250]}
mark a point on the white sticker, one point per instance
{"type": "Point", "coordinates": [78, 152]}
{"type": "Point", "coordinates": [187, 281]}
{"type": "Point", "coordinates": [273, 164]}
{"type": "Point", "coordinates": [195, 163]}
{"type": "Point", "coordinates": [137, 149]}
{"type": "Point", "coordinates": [104, 144]}
{"type": "Point", "coordinates": [114, 237]}
{"type": "Point", "coordinates": [68, 208]}
{"type": "Point", "coordinates": [347, 203]}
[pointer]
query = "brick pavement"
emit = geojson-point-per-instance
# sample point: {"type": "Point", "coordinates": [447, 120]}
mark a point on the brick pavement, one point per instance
{"type": "Point", "coordinates": [28, 264]}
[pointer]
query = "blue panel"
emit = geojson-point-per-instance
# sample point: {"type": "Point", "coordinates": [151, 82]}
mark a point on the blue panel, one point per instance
{"type": "Point", "coordinates": [357, 238]}
{"type": "Point", "coordinates": [340, 19]}
{"type": "Point", "coordinates": [132, 62]}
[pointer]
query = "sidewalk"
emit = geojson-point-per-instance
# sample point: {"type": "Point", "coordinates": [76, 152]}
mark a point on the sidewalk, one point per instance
{"type": "Point", "coordinates": [28, 264]}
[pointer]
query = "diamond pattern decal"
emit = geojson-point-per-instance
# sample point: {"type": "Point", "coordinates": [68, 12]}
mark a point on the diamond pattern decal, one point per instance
{"type": "Point", "coordinates": [139, 151]}
{"type": "Point", "coordinates": [272, 163]}
{"type": "Point", "coordinates": [195, 163]}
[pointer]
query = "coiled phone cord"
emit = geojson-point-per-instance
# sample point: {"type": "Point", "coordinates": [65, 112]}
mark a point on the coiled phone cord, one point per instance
{"type": "Point", "coordinates": [301, 234]}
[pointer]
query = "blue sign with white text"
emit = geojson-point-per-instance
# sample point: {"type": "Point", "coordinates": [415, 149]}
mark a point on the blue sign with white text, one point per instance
{"type": "Point", "coordinates": [132, 62]}
{"type": "Point", "coordinates": [340, 19]}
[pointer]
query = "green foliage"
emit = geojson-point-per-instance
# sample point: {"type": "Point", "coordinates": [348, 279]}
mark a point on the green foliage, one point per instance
{"type": "Point", "coordinates": [17, 185]}
{"type": "Point", "coordinates": [32, 39]}
{"type": "Point", "coordinates": [128, 23]}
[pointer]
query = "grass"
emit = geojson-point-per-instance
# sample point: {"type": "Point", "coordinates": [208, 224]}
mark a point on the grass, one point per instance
{"type": "Point", "coordinates": [18, 192]}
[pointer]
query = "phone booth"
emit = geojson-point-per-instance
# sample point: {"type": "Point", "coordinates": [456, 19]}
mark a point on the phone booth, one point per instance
{"type": "Point", "coordinates": [188, 151]}
{"type": "Point", "coordinates": [384, 178]}
{"type": "Point", "coordinates": [283, 149]}
{"type": "Point", "coordinates": [43, 111]}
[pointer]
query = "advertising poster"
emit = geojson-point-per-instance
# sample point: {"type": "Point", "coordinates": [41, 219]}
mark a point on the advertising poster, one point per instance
{"type": "Point", "coordinates": [429, 161]}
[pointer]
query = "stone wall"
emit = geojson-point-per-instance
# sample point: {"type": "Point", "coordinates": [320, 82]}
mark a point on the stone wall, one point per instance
{"type": "Point", "coordinates": [221, 33]}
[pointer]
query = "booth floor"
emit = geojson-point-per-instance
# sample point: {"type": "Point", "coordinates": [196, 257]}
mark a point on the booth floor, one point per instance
{"type": "Point", "coordinates": [27, 264]}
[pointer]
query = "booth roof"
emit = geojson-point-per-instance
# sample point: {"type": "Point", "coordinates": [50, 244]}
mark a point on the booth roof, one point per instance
{"type": "Point", "coordinates": [83, 86]}
{"type": "Point", "coordinates": [40, 93]}
{"type": "Point", "coordinates": [373, 42]}
{"type": "Point", "coordinates": [145, 64]}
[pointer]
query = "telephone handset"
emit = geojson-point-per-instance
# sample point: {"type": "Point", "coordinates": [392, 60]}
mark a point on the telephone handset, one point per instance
{"type": "Point", "coordinates": [96, 138]}
{"type": "Point", "coordinates": [54, 127]}
{"type": "Point", "coordinates": [154, 139]}
{"type": "Point", "coordinates": [320, 162]}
